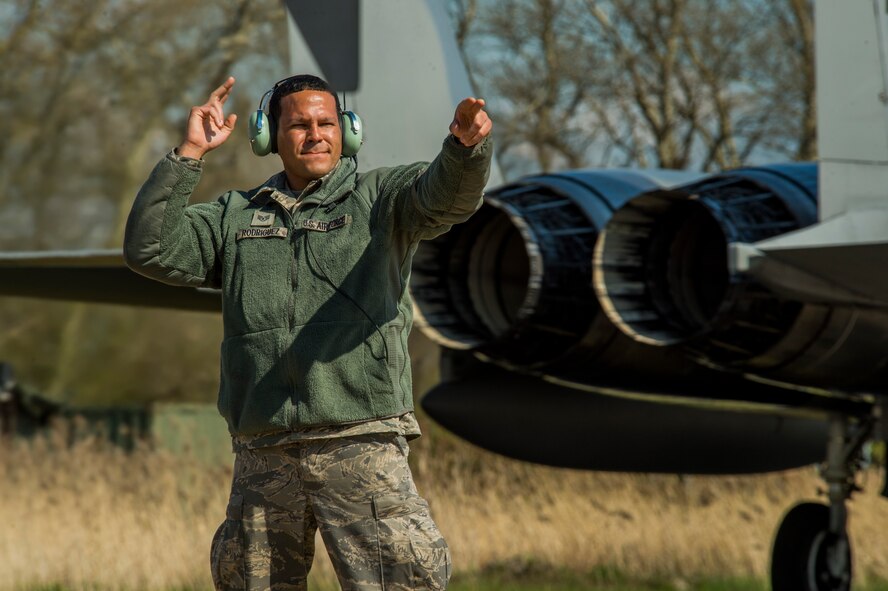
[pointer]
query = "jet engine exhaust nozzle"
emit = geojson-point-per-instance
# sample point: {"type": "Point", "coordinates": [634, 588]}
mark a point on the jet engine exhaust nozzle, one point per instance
{"type": "Point", "coordinates": [661, 264]}
{"type": "Point", "coordinates": [514, 282]}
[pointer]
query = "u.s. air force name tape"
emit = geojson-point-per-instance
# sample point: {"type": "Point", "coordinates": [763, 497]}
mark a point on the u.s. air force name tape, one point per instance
{"type": "Point", "coordinates": [262, 233]}
{"type": "Point", "coordinates": [319, 226]}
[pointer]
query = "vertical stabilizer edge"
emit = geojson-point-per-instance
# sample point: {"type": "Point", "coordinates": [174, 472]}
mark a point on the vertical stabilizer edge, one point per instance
{"type": "Point", "coordinates": [852, 105]}
{"type": "Point", "coordinates": [409, 78]}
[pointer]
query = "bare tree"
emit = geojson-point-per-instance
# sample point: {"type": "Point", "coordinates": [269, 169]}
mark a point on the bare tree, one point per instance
{"type": "Point", "coordinates": [525, 55]}
{"type": "Point", "coordinates": [792, 91]}
{"type": "Point", "coordinates": [667, 83]}
{"type": "Point", "coordinates": [91, 95]}
{"type": "Point", "coordinates": [463, 13]}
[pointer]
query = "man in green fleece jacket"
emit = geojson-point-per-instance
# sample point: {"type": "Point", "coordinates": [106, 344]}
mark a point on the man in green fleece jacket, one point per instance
{"type": "Point", "coordinates": [315, 383]}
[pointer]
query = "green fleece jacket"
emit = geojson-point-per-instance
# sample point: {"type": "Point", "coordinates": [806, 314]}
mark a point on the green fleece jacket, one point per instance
{"type": "Point", "coordinates": [316, 309]}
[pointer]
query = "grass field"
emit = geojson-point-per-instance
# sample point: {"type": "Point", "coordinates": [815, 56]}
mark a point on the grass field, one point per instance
{"type": "Point", "coordinates": [89, 516]}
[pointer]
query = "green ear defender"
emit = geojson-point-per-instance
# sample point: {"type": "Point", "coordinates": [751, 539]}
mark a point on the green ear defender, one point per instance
{"type": "Point", "coordinates": [352, 133]}
{"type": "Point", "coordinates": [263, 129]}
{"type": "Point", "coordinates": [262, 134]}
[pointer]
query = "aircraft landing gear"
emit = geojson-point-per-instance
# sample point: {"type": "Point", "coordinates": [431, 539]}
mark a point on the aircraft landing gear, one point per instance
{"type": "Point", "coordinates": [807, 556]}
{"type": "Point", "coordinates": [812, 551]}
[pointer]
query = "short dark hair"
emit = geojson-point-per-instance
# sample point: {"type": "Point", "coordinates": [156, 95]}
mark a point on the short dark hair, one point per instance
{"type": "Point", "coordinates": [293, 84]}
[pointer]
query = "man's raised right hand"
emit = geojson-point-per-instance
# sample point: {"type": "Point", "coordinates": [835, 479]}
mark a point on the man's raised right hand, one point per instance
{"type": "Point", "coordinates": [207, 126]}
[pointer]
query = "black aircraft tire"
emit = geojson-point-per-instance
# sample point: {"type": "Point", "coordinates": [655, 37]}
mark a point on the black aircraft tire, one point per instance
{"type": "Point", "coordinates": [798, 559]}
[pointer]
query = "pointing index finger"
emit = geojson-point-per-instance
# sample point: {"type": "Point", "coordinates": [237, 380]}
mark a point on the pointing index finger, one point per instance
{"type": "Point", "coordinates": [470, 107]}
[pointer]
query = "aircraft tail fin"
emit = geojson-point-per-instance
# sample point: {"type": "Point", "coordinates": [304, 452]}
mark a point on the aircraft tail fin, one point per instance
{"type": "Point", "coordinates": [852, 105]}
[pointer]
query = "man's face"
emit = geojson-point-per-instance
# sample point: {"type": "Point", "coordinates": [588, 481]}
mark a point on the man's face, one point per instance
{"type": "Point", "coordinates": [309, 140]}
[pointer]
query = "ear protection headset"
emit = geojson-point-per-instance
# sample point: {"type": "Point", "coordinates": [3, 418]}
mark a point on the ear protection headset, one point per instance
{"type": "Point", "coordinates": [263, 128]}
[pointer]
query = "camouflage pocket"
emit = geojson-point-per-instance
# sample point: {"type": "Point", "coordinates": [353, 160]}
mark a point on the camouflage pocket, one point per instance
{"type": "Point", "coordinates": [412, 552]}
{"type": "Point", "coordinates": [227, 549]}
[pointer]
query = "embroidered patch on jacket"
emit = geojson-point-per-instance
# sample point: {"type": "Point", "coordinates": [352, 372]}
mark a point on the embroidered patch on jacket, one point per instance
{"type": "Point", "coordinates": [262, 233]}
{"type": "Point", "coordinates": [321, 226]}
{"type": "Point", "coordinates": [262, 218]}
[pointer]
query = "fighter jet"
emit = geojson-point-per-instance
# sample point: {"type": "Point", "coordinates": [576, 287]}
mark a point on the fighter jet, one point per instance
{"type": "Point", "coordinates": [626, 320]}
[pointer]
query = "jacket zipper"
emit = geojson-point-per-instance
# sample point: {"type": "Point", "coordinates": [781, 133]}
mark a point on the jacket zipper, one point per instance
{"type": "Point", "coordinates": [291, 321]}
{"type": "Point", "coordinates": [293, 220]}
{"type": "Point", "coordinates": [291, 223]}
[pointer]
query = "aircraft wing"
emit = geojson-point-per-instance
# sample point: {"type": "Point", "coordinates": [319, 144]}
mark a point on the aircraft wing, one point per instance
{"type": "Point", "coordinates": [836, 262]}
{"type": "Point", "coordinates": [98, 276]}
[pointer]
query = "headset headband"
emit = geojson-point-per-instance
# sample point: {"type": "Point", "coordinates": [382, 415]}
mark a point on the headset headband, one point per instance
{"type": "Point", "coordinates": [265, 101]}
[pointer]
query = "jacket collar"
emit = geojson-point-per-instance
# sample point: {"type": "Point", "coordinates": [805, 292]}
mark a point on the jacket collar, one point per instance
{"type": "Point", "coordinates": [338, 180]}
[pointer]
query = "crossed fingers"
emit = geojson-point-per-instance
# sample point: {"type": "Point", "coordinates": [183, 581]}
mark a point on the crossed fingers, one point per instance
{"type": "Point", "coordinates": [214, 106]}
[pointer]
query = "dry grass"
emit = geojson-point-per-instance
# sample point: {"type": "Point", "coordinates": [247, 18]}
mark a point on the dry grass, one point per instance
{"type": "Point", "coordinates": [93, 516]}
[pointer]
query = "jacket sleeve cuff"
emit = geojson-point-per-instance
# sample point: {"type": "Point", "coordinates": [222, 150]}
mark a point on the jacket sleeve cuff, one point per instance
{"type": "Point", "coordinates": [453, 143]}
{"type": "Point", "coordinates": [190, 162]}
{"type": "Point", "coordinates": [468, 158]}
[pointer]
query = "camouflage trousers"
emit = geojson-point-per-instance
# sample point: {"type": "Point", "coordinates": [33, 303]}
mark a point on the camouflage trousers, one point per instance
{"type": "Point", "coordinates": [357, 490]}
